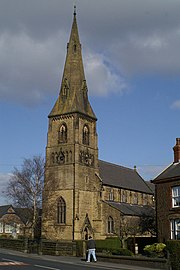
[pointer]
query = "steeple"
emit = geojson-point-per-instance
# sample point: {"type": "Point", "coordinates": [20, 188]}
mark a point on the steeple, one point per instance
{"type": "Point", "coordinates": [73, 96]}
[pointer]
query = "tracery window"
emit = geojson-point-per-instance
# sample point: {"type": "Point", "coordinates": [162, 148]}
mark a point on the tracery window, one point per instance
{"type": "Point", "coordinates": [110, 225]}
{"type": "Point", "coordinates": [86, 135]}
{"type": "Point", "coordinates": [61, 211]}
{"type": "Point", "coordinates": [62, 134]}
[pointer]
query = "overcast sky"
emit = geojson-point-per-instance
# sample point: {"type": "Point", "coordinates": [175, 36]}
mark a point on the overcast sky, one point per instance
{"type": "Point", "coordinates": [132, 66]}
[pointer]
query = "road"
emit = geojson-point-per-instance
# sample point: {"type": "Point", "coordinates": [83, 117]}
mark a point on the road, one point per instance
{"type": "Point", "coordinates": [13, 260]}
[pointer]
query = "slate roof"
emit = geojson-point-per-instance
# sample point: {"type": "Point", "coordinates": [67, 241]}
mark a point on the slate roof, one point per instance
{"type": "Point", "coordinates": [122, 177]}
{"type": "Point", "coordinates": [24, 214]}
{"type": "Point", "coordinates": [173, 171]}
{"type": "Point", "coordinates": [132, 209]}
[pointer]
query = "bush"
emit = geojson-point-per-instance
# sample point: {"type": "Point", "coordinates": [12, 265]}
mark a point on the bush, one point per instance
{"type": "Point", "coordinates": [108, 245]}
{"type": "Point", "coordinates": [155, 250]}
{"type": "Point", "coordinates": [173, 246]}
{"type": "Point", "coordinates": [122, 252]}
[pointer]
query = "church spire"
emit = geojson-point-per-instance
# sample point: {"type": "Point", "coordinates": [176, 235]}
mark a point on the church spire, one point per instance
{"type": "Point", "coordinates": [73, 91]}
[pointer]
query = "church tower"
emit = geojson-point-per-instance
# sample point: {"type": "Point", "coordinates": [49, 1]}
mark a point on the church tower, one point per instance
{"type": "Point", "coordinates": [71, 208]}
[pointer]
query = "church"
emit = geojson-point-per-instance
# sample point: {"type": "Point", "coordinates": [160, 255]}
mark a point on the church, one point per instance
{"type": "Point", "coordinates": [83, 195]}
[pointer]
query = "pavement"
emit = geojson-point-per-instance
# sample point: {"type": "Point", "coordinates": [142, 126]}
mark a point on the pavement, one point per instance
{"type": "Point", "coordinates": [77, 261]}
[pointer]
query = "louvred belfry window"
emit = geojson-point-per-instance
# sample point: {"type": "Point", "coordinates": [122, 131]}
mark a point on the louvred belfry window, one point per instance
{"type": "Point", "coordinates": [62, 134]}
{"type": "Point", "coordinates": [86, 135]}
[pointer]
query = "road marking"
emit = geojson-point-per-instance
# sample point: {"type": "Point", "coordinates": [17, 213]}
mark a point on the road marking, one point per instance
{"type": "Point", "coordinates": [13, 263]}
{"type": "Point", "coordinates": [46, 267]}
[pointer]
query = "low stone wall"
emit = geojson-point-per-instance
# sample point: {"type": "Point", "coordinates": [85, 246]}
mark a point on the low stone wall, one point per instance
{"type": "Point", "coordinates": [13, 244]}
{"type": "Point", "coordinates": [60, 248]}
{"type": "Point", "coordinates": [153, 263]}
{"type": "Point", "coordinates": [45, 247]}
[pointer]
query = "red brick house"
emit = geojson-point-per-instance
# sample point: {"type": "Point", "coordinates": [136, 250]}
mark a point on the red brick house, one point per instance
{"type": "Point", "coordinates": [167, 194]}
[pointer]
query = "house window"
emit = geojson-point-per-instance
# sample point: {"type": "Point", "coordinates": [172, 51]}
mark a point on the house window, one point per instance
{"type": "Point", "coordinates": [176, 196]}
{"type": "Point", "coordinates": [8, 228]}
{"type": "Point", "coordinates": [62, 134]}
{"type": "Point", "coordinates": [111, 195]}
{"type": "Point", "coordinates": [110, 225]}
{"type": "Point", "coordinates": [1, 227]}
{"type": "Point", "coordinates": [61, 211]}
{"type": "Point", "coordinates": [175, 229]}
{"type": "Point", "coordinates": [86, 135]}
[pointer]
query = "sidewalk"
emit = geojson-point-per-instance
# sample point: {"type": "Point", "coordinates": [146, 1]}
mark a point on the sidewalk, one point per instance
{"type": "Point", "coordinates": [77, 261]}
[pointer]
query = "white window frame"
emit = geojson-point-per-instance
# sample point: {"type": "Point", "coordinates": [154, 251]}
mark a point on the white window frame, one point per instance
{"type": "Point", "coordinates": [176, 196]}
{"type": "Point", "coordinates": [8, 228]}
{"type": "Point", "coordinates": [175, 229]}
{"type": "Point", "coordinates": [1, 227]}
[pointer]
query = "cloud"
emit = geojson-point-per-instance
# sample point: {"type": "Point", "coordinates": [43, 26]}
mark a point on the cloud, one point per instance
{"type": "Point", "coordinates": [176, 105]}
{"type": "Point", "coordinates": [102, 80]}
{"type": "Point", "coordinates": [29, 68]}
{"type": "Point", "coordinates": [124, 38]}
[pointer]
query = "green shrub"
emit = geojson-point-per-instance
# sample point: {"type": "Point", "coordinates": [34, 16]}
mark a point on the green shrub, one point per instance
{"type": "Point", "coordinates": [155, 250]}
{"type": "Point", "coordinates": [122, 252]}
{"type": "Point", "coordinates": [108, 245]}
{"type": "Point", "coordinates": [173, 247]}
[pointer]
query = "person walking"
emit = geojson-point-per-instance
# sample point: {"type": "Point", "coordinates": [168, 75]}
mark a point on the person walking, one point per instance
{"type": "Point", "coordinates": [91, 246]}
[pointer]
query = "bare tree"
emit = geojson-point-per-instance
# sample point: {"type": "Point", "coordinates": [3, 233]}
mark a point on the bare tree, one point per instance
{"type": "Point", "coordinates": [25, 186]}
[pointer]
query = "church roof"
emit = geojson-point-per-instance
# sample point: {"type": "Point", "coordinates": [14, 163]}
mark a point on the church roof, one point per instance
{"type": "Point", "coordinates": [132, 209]}
{"type": "Point", "coordinates": [170, 173]}
{"type": "Point", "coordinates": [73, 96]}
{"type": "Point", "coordinates": [122, 177]}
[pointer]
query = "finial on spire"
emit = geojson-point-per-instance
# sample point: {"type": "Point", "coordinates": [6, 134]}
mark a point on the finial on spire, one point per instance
{"type": "Point", "coordinates": [74, 10]}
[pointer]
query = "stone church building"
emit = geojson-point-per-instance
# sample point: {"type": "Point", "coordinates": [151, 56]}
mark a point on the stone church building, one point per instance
{"type": "Point", "coordinates": [84, 195]}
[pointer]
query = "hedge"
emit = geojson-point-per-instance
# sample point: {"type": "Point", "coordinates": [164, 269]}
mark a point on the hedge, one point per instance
{"type": "Point", "coordinates": [173, 246]}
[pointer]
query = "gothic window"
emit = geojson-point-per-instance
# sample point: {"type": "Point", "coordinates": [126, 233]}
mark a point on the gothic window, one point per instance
{"type": "Point", "coordinates": [111, 195]}
{"type": "Point", "coordinates": [62, 134]}
{"type": "Point", "coordinates": [110, 225]}
{"type": "Point", "coordinates": [145, 199]}
{"type": "Point", "coordinates": [135, 198]}
{"type": "Point", "coordinates": [86, 135]}
{"type": "Point", "coordinates": [124, 196]}
{"type": "Point", "coordinates": [61, 211]}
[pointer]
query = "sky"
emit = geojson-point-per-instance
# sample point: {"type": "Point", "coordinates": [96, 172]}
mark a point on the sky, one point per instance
{"type": "Point", "coordinates": [132, 66]}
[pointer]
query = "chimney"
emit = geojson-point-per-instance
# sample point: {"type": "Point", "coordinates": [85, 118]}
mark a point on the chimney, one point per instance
{"type": "Point", "coordinates": [176, 149]}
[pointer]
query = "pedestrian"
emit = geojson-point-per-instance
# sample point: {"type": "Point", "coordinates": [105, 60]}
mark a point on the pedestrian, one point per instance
{"type": "Point", "coordinates": [91, 246]}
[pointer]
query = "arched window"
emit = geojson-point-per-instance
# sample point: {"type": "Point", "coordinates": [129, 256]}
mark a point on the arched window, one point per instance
{"type": "Point", "coordinates": [86, 135]}
{"type": "Point", "coordinates": [61, 211]}
{"type": "Point", "coordinates": [124, 196]}
{"type": "Point", "coordinates": [62, 134]}
{"type": "Point", "coordinates": [135, 198]}
{"type": "Point", "coordinates": [110, 225]}
{"type": "Point", "coordinates": [111, 195]}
